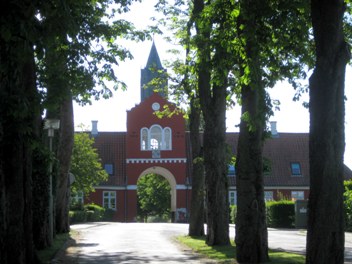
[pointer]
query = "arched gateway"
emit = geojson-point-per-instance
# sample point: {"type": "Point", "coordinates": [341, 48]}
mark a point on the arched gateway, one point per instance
{"type": "Point", "coordinates": [169, 177]}
{"type": "Point", "coordinates": [151, 144]}
{"type": "Point", "coordinates": [156, 145]}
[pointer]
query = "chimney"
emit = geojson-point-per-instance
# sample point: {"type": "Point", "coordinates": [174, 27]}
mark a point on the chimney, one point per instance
{"type": "Point", "coordinates": [94, 131]}
{"type": "Point", "coordinates": [273, 129]}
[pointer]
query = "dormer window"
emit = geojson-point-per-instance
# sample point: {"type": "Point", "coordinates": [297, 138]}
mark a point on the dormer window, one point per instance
{"type": "Point", "coordinates": [296, 169]}
{"type": "Point", "coordinates": [231, 170]}
{"type": "Point", "coordinates": [156, 138]}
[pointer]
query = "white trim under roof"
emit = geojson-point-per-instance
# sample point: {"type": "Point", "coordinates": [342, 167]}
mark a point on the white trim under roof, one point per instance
{"type": "Point", "coordinates": [171, 160]}
{"type": "Point", "coordinates": [279, 187]}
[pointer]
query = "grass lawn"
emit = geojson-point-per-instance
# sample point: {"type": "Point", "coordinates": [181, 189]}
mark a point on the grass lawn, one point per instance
{"type": "Point", "coordinates": [47, 254]}
{"type": "Point", "coordinates": [226, 254]}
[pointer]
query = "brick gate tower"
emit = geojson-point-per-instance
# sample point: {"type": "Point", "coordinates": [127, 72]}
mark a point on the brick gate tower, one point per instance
{"type": "Point", "coordinates": [153, 144]}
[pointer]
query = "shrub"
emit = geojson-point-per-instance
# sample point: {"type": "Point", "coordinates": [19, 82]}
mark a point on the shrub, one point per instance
{"type": "Point", "coordinates": [77, 216]}
{"type": "Point", "coordinates": [158, 219]}
{"type": "Point", "coordinates": [94, 212]}
{"type": "Point", "coordinates": [233, 214]}
{"type": "Point", "coordinates": [348, 205]}
{"type": "Point", "coordinates": [76, 206]}
{"type": "Point", "coordinates": [108, 215]}
{"type": "Point", "coordinates": [280, 214]}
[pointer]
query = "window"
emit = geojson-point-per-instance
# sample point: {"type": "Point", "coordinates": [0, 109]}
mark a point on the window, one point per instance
{"type": "Point", "coordinates": [268, 195]}
{"type": "Point", "coordinates": [109, 168]}
{"type": "Point", "coordinates": [296, 169]}
{"type": "Point", "coordinates": [167, 138]}
{"type": "Point", "coordinates": [231, 171]}
{"type": "Point", "coordinates": [109, 199]}
{"type": "Point", "coordinates": [297, 195]}
{"type": "Point", "coordinates": [156, 138]}
{"type": "Point", "coordinates": [77, 198]}
{"type": "Point", "coordinates": [144, 139]}
{"type": "Point", "coordinates": [233, 197]}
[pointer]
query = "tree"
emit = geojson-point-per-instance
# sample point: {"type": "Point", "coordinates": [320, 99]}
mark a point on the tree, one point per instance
{"type": "Point", "coordinates": [153, 194]}
{"type": "Point", "coordinates": [30, 31]}
{"type": "Point", "coordinates": [274, 45]}
{"type": "Point", "coordinates": [76, 62]}
{"type": "Point", "coordinates": [19, 111]}
{"type": "Point", "coordinates": [325, 237]}
{"type": "Point", "coordinates": [85, 165]}
{"type": "Point", "coordinates": [184, 88]}
{"type": "Point", "coordinates": [215, 57]}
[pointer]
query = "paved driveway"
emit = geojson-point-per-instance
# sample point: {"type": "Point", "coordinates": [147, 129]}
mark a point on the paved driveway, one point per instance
{"type": "Point", "coordinates": [108, 243]}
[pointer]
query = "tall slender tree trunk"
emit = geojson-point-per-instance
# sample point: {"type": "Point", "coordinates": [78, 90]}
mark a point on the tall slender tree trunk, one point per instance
{"type": "Point", "coordinates": [325, 238]}
{"type": "Point", "coordinates": [212, 62]}
{"type": "Point", "coordinates": [251, 230]}
{"type": "Point", "coordinates": [59, 104]}
{"type": "Point", "coordinates": [196, 223]}
{"type": "Point", "coordinates": [64, 158]}
{"type": "Point", "coordinates": [18, 114]}
{"type": "Point", "coordinates": [216, 182]}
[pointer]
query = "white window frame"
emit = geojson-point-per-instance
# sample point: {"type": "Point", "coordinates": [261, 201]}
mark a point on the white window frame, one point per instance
{"type": "Point", "coordinates": [156, 138]}
{"type": "Point", "coordinates": [78, 198]}
{"type": "Point", "coordinates": [144, 138]}
{"type": "Point", "coordinates": [297, 195]}
{"type": "Point", "coordinates": [268, 196]}
{"type": "Point", "coordinates": [109, 199]}
{"type": "Point", "coordinates": [233, 197]}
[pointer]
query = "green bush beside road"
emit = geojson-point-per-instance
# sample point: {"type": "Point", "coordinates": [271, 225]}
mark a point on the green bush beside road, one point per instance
{"type": "Point", "coordinates": [89, 213]}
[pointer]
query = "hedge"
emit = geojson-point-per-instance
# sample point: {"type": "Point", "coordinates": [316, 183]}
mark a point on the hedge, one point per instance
{"type": "Point", "coordinates": [280, 214]}
{"type": "Point", "coordinates": [348, 205]}
{"type": "Point", "coordinates": [91, 213]}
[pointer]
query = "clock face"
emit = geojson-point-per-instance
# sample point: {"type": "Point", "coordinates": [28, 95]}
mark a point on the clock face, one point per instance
{"type": "Point", "coordinates": [155, 106]}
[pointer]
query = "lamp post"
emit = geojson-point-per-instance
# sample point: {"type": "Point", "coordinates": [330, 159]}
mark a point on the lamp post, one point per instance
{"type": "Point", "coordinates": [51, 125]}
{"type": "Point", "coordinates": [187, 183]}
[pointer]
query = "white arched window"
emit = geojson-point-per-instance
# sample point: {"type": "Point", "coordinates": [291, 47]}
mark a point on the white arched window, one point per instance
{"type": "Point", "coordinates": [156, 138]}
{"type": "Point", "coordinates": [167, 138]}
{"type": "Point", "coordinates": [144, 138]}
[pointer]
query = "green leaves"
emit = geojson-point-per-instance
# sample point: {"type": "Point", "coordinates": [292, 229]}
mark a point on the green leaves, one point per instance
{"type": "Point", "coordinates": [85, 164]}
{"type": "Point", "coordinates": [153, 193]}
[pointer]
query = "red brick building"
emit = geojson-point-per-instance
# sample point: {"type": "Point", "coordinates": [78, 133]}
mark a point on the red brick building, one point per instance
{"type": "Point", "coordinates": [161, 146]}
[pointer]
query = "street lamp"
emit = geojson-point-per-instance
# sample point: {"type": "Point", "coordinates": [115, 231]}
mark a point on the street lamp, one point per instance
{"type": "Point", "coordinates": [187, 183]}
{"type": "Point", "coordinates": [51, 125]}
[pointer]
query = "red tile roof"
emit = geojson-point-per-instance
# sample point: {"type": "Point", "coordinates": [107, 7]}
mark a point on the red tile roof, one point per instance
{"type": "Point", "coordinates": [281, 151]}
{"type": "Point", "coordinates": [112, 150]}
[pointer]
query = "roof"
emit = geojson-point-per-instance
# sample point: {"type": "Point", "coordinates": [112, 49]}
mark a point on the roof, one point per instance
{"type": "Point", "coordinates": [282, 151]}
{"type": "Point", "coordinates": [111, 147]}
{"type": "Point", "coordinates": [153, 59]}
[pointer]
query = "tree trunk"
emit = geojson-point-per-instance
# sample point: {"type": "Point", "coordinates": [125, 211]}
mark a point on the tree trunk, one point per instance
{"type": "Point", "coordinates": [41, 229]}
{"type": "Point", "coordinates": [325, 237]}
{"type": "Point", "coordinates": [251, 230]}
{"type": "Point", "coordinates": [64, 158]}
{"type": "Point", "coordinates": [196, 222]}
{"type": "Point", "coordinates": [212, 95]}
{"type": "Point", "coordinates": [18, 111]}
{"type": "Point", "coordinates": [216, 181]}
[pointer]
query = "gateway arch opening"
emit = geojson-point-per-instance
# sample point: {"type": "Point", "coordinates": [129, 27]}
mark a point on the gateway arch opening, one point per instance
{"type": "Point", "coordinates": [156, 196]}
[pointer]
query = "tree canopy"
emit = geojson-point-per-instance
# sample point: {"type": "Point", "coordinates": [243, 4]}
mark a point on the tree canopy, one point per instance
{"type": "Point", "coordinates": [154, 197]}
{"type": "Point", "coordinates": [85, 165]}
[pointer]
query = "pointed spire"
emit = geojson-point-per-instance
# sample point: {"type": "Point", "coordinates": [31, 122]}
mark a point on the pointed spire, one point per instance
{"type": "Point", "coordinates": [153, 59]}
{"type": "Point", "coordinates": [153, 70]}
